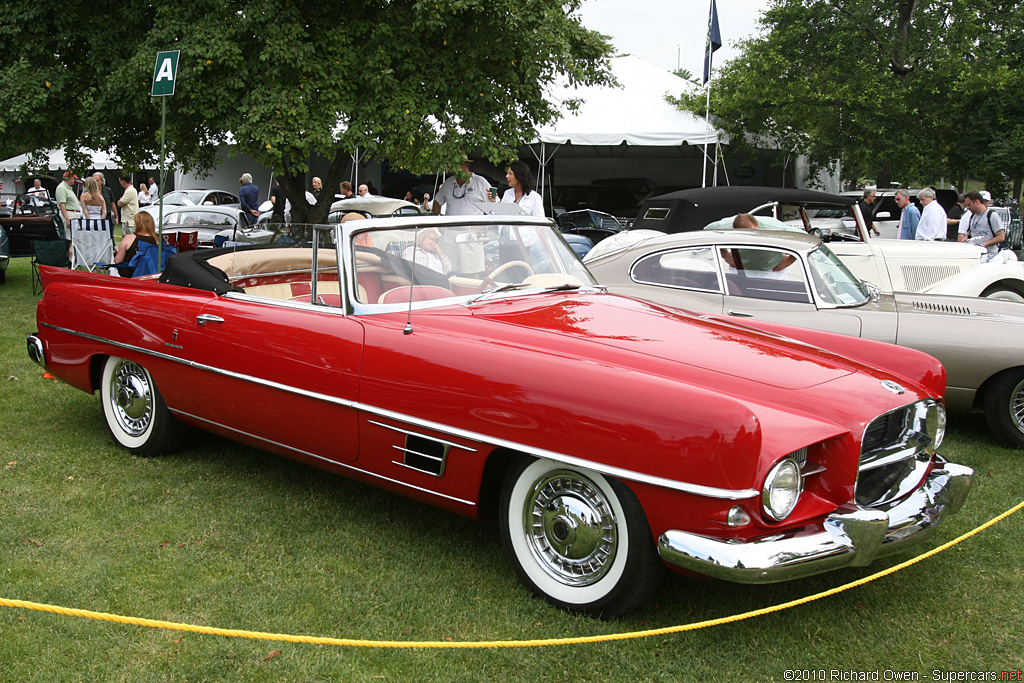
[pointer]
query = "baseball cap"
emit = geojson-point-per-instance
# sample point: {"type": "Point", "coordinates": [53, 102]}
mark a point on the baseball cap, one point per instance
{"type": "Point", "coordinates": [986, 195]}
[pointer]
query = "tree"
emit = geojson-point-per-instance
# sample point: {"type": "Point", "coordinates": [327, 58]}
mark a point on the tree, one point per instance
{"type": "Point", "coordinates": [415, 82]}
{"type": "Point", "coordinates": [888, 88]}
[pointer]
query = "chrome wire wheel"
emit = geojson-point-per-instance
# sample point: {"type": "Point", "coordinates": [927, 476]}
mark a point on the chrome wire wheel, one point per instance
{"type": "Point", "coordinates": [136, 414]}
{"type": "Point", "coordinates": [1004, 406]}
{"type": "Point", "coordinates": [1016, 406]}
{"type": "Point", "coordinates": [570, 528]}
{"type": "Point", "coordinates": [578, 539]}
{"type": "Point", "coordinates": [131, 398]}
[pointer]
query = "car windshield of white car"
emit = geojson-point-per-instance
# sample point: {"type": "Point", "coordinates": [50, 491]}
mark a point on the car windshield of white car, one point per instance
{"type": "Point", "coordinates": [833, 282]}
{"type": "Point", "coordinates": [429, 263]}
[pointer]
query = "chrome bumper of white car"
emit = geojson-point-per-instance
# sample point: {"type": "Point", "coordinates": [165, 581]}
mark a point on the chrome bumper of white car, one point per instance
{"type": "Point", "coordinates": [850, 537]}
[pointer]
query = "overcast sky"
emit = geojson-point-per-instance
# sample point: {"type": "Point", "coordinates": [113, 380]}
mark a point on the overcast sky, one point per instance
{"type": "Point", "coordinates": [667, 32]}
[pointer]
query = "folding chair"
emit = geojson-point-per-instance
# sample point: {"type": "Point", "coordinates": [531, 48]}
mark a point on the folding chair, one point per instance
{"type": "Point", "coordinates": [48, 253]}
{"type": "Point", "coordinates": [145, 260]}
{"type": "Point", "coordinates": [187, 241]}
{"type": "Point", "coordinates": [92, 243]}
{"type": "Point", "coordinates": [171, 239]}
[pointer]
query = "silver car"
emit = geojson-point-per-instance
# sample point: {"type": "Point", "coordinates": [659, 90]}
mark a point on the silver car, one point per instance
{"type": "Point", "coordinates": [211, 222]}
{"type": "Point", "coordinates": [766, 277]}
{"type": "Point", "coordinates": [193, 198]}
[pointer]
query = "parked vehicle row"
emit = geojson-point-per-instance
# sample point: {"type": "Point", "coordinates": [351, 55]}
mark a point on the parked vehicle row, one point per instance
{"type": "Point", "coordinates": [474, 363]}
{"type": "Point", "coordinates": [891, 265]}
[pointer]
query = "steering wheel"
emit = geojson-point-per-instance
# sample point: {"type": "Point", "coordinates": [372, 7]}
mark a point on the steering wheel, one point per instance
{"type": "Point", "coordinates": [489, 281]}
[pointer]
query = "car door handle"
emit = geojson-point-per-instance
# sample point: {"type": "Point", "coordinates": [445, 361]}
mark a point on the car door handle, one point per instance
{"type": "Point", "coordinates": [207, 318]}
{"type": "Point", "coordinates": [740, 314]}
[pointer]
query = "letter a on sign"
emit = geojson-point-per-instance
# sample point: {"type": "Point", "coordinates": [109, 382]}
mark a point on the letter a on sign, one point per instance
{"type": "Point", "coordinates": [164, 73]}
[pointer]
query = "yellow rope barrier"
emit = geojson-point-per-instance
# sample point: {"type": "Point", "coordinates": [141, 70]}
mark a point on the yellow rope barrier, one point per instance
{"type": "Point", "coordinates": [400, 644]}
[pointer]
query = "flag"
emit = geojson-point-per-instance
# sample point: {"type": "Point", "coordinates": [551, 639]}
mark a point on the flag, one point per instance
{"type": "Point", "coordinates": [714, 40]}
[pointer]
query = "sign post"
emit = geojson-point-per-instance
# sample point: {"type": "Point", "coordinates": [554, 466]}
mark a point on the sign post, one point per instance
{"type": "Point", "coordinates": [165, 73]}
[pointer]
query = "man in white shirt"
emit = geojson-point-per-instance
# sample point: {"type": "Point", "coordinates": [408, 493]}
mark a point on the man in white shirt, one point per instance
{"type": "Point", "coordinates": [460, 190]}
{"type": "Point", "coordinates": [933, 218]}
{"type": "Point", "coordinates": [457, 194]}
{"type": "Point", "coordinates": [154, 190]}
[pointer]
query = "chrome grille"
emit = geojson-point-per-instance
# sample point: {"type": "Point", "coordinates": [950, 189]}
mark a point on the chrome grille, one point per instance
{"type": "Point", "coordinates": [916, 277]}
{"type": "Point", "coordinates": [893, 446]}
{"type": "Point", "coordinates": [932, 307]}
{"type": "Point", "coordinates": [884, 430]}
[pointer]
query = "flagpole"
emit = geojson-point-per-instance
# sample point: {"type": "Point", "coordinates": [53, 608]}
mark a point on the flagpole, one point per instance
{"type": "Point", "coordinates": [713, 42]}
{"type": "Point", "coordinates": [707, 126]}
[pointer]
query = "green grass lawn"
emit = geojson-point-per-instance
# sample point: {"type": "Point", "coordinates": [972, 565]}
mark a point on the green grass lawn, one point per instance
{"type": "Point", "coordinates": [227, 536]}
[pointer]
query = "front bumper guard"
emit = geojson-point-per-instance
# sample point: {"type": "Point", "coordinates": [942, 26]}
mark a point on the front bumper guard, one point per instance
{"type": "Point", "coordinates": [850, 537]}
{"type": "Point", "coordinates": [36, 349]}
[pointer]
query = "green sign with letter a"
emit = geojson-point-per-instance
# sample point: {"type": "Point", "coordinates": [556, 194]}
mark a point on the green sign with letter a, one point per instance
{"type": "Point", "coordinates": [164, 73]}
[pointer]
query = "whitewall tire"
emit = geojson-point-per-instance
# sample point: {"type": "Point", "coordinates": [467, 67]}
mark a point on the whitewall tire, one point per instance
{"type": "Point", "coordinates": [578, 539]}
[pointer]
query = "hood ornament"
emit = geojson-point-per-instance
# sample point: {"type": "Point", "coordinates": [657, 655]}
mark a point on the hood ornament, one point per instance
{"type": "Point", "coordinates": [892, 386]}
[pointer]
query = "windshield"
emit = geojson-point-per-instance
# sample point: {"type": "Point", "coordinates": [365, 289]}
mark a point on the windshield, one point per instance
{"type": "Point", "coordinates": [833, 282]}
{"type": "Point", "coordinates": [185, 197]}
{"type": "Point", "coordinates": [463, 260]}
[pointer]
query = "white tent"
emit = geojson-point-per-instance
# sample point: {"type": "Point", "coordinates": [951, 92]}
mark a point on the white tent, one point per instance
{"type": "Point", "coordinates": [633, 120]}
{"type": "Point", "coordinates": [57, 161]}
{"type": "Point", "coordinates": [634, 114]}
{"type": "Point", "coordinates": [10, 169]}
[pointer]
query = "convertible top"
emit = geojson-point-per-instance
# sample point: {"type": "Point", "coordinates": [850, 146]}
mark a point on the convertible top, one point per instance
{"type": "Point", "coordinates": [694, 208]}
{"type": "Point", "coordinates": [191, 269]}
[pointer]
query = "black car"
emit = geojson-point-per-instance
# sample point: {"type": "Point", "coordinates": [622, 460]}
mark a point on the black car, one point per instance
{"type": "Point", "coordinates": [27, 218]}
{"type": "Point", "coordinates": [617, 201]}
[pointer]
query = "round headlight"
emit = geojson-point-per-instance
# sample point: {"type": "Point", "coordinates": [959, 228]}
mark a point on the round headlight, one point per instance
{"type": "Point", "coordinates": [935, 424]}
{"type": "Point", "coordinates": [782, 489]}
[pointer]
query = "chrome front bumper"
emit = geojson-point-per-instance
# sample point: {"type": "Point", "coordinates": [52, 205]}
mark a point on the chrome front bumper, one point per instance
{"type": "Point", "coordinates": [850, 537]}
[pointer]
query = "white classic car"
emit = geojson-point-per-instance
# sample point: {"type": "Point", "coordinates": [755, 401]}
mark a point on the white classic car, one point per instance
{"type": "Point", "coordinates": [891, 265]}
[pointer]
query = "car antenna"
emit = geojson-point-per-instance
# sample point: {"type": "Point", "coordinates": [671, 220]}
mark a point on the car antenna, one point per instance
{"type": "Point", "coordinates": [412, 279]}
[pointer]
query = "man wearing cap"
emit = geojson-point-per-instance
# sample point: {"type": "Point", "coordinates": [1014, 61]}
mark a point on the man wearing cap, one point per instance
{"type": "Point", "coordinates": [457, 195]}
{"type": "Point", "coordinates": [932, 226]}
{"type": "Point", "coordinates": [70, 209]}
{"type": "Point", "coordinates": [985, 226]}
{"type": "Point", "coordinates": [460, 190]}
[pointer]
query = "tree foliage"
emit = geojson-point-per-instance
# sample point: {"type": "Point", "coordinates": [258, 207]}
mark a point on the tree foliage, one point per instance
{"type": "Point", "coordinates": [414, 82]}
{"type": "Point", "coordinates": [902, 89]}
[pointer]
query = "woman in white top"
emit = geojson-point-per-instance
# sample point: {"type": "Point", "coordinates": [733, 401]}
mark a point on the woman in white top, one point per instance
{"type": "Point", "coordinates": [92, 200]}
{"type": "Point", "coordinates": [144, 197]}
{"type": "Point", "coordinates": [428, 252]}
{"type": "Point", "coordinates": [522, 189]}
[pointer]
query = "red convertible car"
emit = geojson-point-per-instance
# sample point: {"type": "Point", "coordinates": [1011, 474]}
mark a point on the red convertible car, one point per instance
{"type": "Point", "coordinates": [473, 363]}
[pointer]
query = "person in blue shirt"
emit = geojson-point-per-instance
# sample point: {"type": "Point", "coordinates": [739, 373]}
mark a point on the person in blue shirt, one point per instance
{"type": "Point", "coordinates": [910, 217]}
{"type": "Point", "coordinates": [248, 197]}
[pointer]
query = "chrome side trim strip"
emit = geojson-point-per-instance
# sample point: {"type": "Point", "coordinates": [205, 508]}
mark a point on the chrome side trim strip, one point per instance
{"type": "Point", "coordinates": [618, 472]}
{"type": "Point", "coordinates": [327, 460]}
{"type": "Point", "coordinates": [422, 436]}
{"type": "Point", "coordinates": [418, 454]}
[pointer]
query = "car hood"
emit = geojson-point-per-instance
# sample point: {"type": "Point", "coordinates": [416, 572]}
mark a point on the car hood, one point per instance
{"type": "Point", "coordinates": [706, 342]}
{"type": "Point", "coordinates": [921, 249]}
{"type": "Point", "coordinates": [944, 305]}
